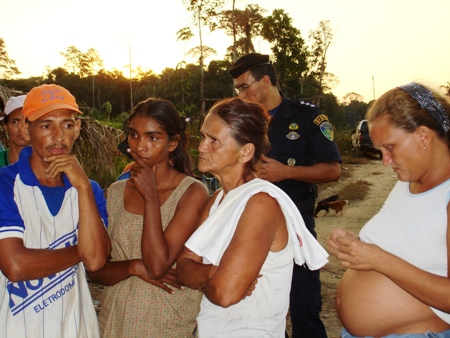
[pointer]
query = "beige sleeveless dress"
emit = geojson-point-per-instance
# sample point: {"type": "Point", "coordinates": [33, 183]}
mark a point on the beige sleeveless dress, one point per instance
{"type": "Point", "coordinates": [134, 308]}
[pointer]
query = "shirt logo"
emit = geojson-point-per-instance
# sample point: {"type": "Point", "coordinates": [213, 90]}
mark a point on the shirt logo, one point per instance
{"type": "Point", "coordinates": [327, 130]}
{"type": "Point", "coordinates": [293, 126]}
{"type": "Point", "coordinates": [291, 162]}
{"type": "Point", "coordinates": [292, 135]}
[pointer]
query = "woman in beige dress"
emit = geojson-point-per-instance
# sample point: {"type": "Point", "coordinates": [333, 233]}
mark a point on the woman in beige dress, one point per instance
{"type": "Point", "coordinates": [151, 216]}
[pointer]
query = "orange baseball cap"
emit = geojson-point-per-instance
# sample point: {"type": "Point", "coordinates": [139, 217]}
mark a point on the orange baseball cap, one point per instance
{"type": "Point", "coordinates": [45, 98]}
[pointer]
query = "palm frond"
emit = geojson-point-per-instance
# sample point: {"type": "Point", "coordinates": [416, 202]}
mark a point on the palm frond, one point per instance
{"type": "Point", "coordinates": [96, 149]}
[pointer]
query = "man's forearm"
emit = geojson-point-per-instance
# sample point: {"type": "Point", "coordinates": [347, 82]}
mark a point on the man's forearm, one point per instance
{"type": "Point", "coordinates": [94, 245]}
{"type": "Point", "coordinates": [29, 264]}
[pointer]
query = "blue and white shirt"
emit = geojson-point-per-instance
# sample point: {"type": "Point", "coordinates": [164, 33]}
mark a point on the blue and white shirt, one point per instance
{"type": "Point", "coordinates": [59, 305]}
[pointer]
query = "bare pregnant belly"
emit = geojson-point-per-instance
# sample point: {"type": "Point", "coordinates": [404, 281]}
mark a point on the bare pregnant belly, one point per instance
{"type": "Point", "coordinates": [369, 304]}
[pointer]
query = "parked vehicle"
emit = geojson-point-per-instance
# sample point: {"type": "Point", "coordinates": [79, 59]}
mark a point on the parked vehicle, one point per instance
{"type": "Point", "coordinates": [361, 141]}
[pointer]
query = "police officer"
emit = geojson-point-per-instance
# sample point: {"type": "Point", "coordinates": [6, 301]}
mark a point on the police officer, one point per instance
{"type": "Point", "coordinates": [302, 153]}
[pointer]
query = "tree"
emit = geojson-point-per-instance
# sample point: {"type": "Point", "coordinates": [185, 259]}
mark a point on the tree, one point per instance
{"type": "Point", "coordinates": [330, 106]}
{"type": "Point", "coordinates": [183, 34]}
{"type": "Point", "coordinates": [320, 40]}
{"type": "Point", "coordinates": [447, 89]}
{"type": "Point", "coordinates": [74, 60]}
{"type": "Point", "coordinates": [83, 64]}
{"type": "Point", "coordinates": [350, 97]}
{"type": "Point", "coordinates": [354, 108]}
{"type": "Point", "coordinates": [107, 109]}
{"type": "Point", "coordinates": [218, 80]}
{"type": "Point", "coordinates": [92, 63]}
{"type": "Point", "coordinates": [7, 66]}
{"type": "Point", "coordinates": [204, 12]}
{"type": "Point", "coordinates": [289, 51]}
{"type": "Point", "coordinates": [244, 25]}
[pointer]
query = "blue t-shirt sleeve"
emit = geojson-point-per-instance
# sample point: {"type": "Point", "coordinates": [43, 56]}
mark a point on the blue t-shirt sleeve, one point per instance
{"type": "Point", "coordinates": [124, 176]}
{"type": "Point", "coordinates": [10, 219]}
{"type": "Point", "coordinates": [100, 200]}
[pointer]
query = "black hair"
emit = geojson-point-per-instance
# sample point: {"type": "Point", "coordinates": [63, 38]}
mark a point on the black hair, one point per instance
{"type": "Point", "coordinates": [166, 115]}
{"type": "Point", "coordinates": [268, 70]}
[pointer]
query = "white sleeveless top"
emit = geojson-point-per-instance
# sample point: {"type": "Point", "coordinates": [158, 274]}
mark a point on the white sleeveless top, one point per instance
{"type": "Point", "coordinates": [263, 314]}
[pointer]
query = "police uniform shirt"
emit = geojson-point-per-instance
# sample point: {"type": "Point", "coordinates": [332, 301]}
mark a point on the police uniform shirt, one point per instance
{"type": "Point", "coordinates": [301, 135]}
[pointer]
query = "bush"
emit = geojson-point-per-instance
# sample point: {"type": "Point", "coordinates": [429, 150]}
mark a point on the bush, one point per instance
{"type": "Point", "coordinates": [344, 142]}
{"type": "Point", "coordinates": [354, 190]}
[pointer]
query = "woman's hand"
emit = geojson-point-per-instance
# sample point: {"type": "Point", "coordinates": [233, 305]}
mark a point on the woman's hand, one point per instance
{"type": "Point", "coordinates": [252, 287]}
{"type": "Point", "coordinates": [143, 176]}
{"type": "Point", "coordinates": [333, 244]}
{"type": "Point", "coordinates": [354, 254]}
{"type": "Point", "coordinates": [170, 278]}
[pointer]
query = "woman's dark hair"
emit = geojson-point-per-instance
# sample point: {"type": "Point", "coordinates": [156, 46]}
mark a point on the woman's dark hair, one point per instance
{"type": "Point", "coordinates": [166, 115]}
{"type": "Point", "coordinates": [248, 123]}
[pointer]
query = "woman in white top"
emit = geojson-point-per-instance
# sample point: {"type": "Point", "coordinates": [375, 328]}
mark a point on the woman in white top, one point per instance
{"type": "Point", "coordinates": [397, 282]}
{"type": "Point", "coordinates": [241, 257]}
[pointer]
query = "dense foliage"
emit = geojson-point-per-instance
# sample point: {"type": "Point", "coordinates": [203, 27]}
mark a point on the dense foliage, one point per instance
{"type": "Point", "coordinates": [109, 95]}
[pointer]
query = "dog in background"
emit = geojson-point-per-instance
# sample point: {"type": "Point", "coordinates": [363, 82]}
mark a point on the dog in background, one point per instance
{"type": "Point", "coordinates": [321, 206]}
{"type": "Point", "coordinates": [337, 206]}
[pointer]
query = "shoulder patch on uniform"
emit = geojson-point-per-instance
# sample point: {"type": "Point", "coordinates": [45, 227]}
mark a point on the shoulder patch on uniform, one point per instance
{"type": "Point", "coordinates": [327, 130]}
{"type": "Point", "coordinates": [319, 119]}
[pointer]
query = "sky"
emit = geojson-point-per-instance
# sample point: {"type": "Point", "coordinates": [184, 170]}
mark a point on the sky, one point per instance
{"type": "Point", "coordinates": [377, 44]}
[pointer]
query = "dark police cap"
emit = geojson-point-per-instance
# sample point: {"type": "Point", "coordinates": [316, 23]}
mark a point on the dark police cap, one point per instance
{"type": "Point", "coordinates": [248, 62]}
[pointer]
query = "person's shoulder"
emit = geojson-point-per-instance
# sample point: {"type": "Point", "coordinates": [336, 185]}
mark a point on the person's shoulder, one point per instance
{"type": "Point", "coordinates": [195, 185]}
{"type": "Point", "coordinates": [116, 185]}
{"type": "Point", "coordinates": [95, 184]}
{"type": "Point", "coordinates": [96, 188]}
{"type": "Point", "coordinates": [303, 105]}
{"type": "Point", "coordinates": [8, 172]}
{"type": "Point", "coordinates": [304, 110]}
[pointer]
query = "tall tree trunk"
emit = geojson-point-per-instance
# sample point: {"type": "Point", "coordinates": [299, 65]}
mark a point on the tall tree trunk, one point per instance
{"type": "Point", "coordinates": [234, 41]}
{"type": "Point", "coordinates": [202, 94]}
{"type": "Point", "coordinates": [93, 92]}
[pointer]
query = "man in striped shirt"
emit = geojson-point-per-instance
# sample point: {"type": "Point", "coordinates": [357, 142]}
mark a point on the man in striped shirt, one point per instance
{"type": "Point", "coordinates": [52, 226]}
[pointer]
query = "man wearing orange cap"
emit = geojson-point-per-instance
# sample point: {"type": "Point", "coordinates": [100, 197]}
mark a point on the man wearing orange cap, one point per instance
{"type": "Point", "coordinates": [52, 226]}
{"type": "Point", "coordinates": [11, 124]}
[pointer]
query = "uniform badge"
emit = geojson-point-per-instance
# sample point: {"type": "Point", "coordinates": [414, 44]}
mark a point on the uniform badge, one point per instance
{"type": "Point", "coordinates": [293, 126]}
{"type": "Point", "coordinates": [292, 135]}
{"type": "Point", "coordinates": [325, 126]}
{"type": "Point", "coordinates": [327, 130]}
{"type": "Point", "coordinates": [319, 119]}
{"type": "Point", "coordinates": [291, 162]}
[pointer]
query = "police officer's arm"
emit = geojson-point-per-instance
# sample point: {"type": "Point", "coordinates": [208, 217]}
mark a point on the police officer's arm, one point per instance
{"type": "Point", "coordinates": [94, 245]}
{"type": "Point", "coordinates": [19, 263]}
{"type": "Point", "coordinates": [274, 171]}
